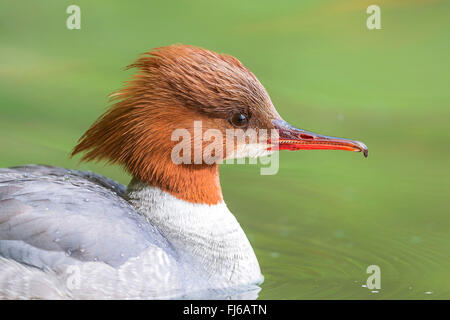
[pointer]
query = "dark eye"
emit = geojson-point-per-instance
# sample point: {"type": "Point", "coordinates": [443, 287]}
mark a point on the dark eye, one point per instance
{"type": "Point", "coordinates": [239, 120]}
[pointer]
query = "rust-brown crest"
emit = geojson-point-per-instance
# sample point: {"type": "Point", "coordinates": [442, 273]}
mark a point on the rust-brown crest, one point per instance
{"type": "Point", "coordinates": [175, 86]}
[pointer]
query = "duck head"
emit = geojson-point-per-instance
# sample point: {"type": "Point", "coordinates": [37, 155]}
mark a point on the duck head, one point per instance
{"type": "Point", "coordinates": [191, 90]}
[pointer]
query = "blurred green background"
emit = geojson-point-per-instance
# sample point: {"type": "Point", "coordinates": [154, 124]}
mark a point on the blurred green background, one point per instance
{"type": "Point", "coordinates": [327, 215]}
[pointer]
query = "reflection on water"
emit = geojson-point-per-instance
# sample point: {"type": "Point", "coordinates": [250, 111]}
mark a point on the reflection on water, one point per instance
{"type": "Point", "coordinates": [314, 238]}
{"type": "Point", "coordinates": [241, 293]}
{"type": "Point", "coordinates": [334, 266]}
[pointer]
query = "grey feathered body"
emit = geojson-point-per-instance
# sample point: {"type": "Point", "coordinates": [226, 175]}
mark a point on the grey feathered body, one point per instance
{"type": "Point", "coordinates": [74, 235]}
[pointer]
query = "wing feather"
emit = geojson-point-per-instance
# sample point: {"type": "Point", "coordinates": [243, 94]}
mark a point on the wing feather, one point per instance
{"type": "Point", "coordinates": [51, 215]}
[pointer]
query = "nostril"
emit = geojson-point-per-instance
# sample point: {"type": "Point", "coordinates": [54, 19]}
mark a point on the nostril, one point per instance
{"type": "Point", "coordinates": [306, 136]}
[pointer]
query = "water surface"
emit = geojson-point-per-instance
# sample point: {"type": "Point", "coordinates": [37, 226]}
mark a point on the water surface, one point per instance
{"type": "Point", "coordinates": [326, 216]}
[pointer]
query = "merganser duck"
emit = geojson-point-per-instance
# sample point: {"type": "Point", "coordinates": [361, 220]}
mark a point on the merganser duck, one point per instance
{"type": "Point", "coordinates": [68, 234]}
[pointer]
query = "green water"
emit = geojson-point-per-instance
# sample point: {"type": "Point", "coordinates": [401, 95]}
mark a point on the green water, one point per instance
{"type": "Point", "coordinates": [326, 216]}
